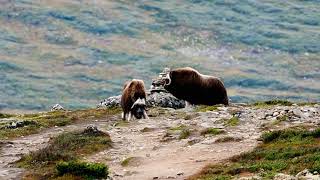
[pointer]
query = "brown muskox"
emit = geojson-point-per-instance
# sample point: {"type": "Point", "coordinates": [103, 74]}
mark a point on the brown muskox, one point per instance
{"type": "Point", "coordinates": [133, 100]}
{"type": "Point", "coordinates": [195, 88]}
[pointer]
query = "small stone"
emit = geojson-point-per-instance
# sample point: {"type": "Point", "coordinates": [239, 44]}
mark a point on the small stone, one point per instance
{"type": "Point", "coordinates": [275, 114]}
{"type": "Point", "coordinates": [180, 173]}
{"type": "Point", "coordinates": [297, 113]}
{"type": "Point", "coordinates": [302, 173]}
{"type": "Point", "coordinates": [155, 177]}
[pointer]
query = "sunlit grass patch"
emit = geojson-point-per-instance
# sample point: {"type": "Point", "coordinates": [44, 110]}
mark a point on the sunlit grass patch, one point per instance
{"type": "Point", "coordinates": [69, 146]}
{"type": "Point", "coordinates": [52, 119]}
{"type": "Point", "coordinates": [272, 102]}
{"type": "Point", "coordinates": [204, 108]}
{"type": "Point", "coordinates": [287, 151]}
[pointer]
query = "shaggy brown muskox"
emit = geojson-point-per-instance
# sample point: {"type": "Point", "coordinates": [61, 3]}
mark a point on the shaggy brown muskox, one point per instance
{"type": "Point", "coordinates": [133, 100]}
{"type": "Point", "coordinates": [195, 88]}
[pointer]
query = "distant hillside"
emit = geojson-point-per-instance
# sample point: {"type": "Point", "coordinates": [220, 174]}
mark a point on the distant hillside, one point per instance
{"type": "Point", "coordinates": [78, 52]}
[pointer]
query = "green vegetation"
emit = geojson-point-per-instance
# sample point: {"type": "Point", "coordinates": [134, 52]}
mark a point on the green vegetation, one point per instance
{"type": "Point", "coordinates": [212, 131]}
{"type": "Point", "coordinates": [306, 103]}
{"type": "Point", "coordinates": [272, 102]}
{"type": "Point", "coordinates": [178, 128]}
{"type": "Point", "coordinates": [234, 121]}
{"type": "Point", "coordinates": [177, 132]}
{"type": "Point", "coordinates": [69, 146]}
{"type": "Point", "coordinates": [204, 108]}
{"type": "Point", "coordinates": [280, 119]}
{"type": "Point", "coordinates": [126, 161]}
{"type": "Point", "coordinates": [287, 151]}
{"type": "Point", "coordinates": [51, 119]}
{"type": "Point", "coordinates": [2, 115]}
{"type": "Point", "coordinates": [184, 134]}
{"type": "Point", "coordinates": [82, 169]}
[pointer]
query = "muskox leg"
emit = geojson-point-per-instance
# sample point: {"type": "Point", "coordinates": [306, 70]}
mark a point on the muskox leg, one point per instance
{"type": "Point", "coordinates": [129, 116]}
{"type": "Point", "coordinates": [188, 105]}
{"type": "Point", "coordinates": [145, 115]}
{"type": "Point", "coordinates": [123, 116]}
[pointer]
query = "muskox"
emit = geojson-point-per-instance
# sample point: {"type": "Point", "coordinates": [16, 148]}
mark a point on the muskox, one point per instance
{"type": "Point", "coordinates": [133, 100]}
{"type": "Point", "coordinates": [195, 88]}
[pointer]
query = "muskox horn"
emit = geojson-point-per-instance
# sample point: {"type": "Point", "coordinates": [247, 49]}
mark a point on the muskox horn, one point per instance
{"type": "Point", "coordinates": [167, 78]}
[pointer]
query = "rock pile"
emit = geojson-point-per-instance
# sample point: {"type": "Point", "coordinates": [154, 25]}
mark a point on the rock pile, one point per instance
{"type": "Point", "coordinates": [157, 84]}
{"type": "Point", "coordinates": [157, 96]}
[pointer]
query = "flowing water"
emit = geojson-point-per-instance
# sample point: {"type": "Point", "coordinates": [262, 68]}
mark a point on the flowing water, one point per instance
{"type": "Point", "coordinates": [76, 52]}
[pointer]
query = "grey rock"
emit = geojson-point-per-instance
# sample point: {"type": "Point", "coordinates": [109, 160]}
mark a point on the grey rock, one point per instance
{"type": "Point", "coordinates": [305, 174]}
{"type": "Point", "coordinates": [57, 107]}
{"type": "Point", "coordinates": [18, 124]}
{"type": "Point", "coordinates": [163, 99]}
{"type": "Point", "coordinates": [275, 114]}
{"type": "Point", "coordinates": [297, 113]}
{"type": "Point", "coordinates": [113, 101]}
{"type": "Point", "coordinates": [282, 176]}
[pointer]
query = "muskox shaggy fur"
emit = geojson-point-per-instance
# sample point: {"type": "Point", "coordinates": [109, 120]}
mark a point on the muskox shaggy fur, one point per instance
{"type": "Point", "coordinates": [133, 100]}
{"type": "Point", "coordinates": [195, 88]}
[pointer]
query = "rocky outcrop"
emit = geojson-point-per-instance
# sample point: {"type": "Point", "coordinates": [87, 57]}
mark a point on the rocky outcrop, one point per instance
{"type": "Point", "coordinates": [159, 99]}
{"type": "Point", "coordinates": [157, 96]}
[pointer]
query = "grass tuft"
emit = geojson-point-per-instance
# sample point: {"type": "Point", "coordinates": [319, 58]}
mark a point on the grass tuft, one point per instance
{"type": "Point", "coordinates": [184, 134]}
{"type": "Point", "coordinates": [126, 161]}
{"type": "Point", "coordinates": [54, 118]}
{"type": "Point", "coordinates": [212, 131]}
{"type": "Point", "coordinates": [204, 108]}
{"type": "Point", "coordinates": [234, 121]}
{"type": "Point", "coordinates": [83, 169]}
{"type": "Point", "coordinates": [228, 139]}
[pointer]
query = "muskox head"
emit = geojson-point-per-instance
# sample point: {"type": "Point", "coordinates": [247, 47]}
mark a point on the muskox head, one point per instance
{"type": "Point", "coordinates": [138, 109]}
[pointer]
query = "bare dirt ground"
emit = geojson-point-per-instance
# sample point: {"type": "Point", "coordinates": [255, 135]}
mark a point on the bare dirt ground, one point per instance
{"type": "Point", "coordinates": [148, 149]}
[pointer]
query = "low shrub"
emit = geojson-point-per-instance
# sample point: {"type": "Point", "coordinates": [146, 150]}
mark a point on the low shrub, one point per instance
{"type": "Point", "coordinates": [82, 169]}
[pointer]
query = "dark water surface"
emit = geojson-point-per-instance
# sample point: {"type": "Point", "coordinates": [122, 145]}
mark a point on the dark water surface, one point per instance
{"type": "Point", "coordinates": [78, 52]}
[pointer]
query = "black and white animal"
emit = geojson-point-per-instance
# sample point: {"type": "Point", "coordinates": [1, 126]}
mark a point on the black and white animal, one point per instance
{"type": "Point", "coordinates": [133, 100]}
{"type": "Point", "coordinates": [195, 88]}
